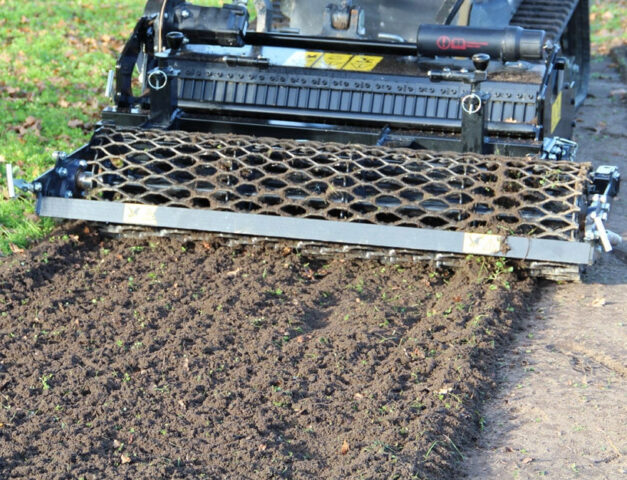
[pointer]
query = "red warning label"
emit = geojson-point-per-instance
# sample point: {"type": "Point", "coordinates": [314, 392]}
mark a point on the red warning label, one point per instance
{"type": "Point", "coordinates": [444, 42]}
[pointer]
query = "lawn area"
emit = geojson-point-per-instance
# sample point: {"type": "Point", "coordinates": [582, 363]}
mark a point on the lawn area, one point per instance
{"type": "Point", "coordinates": [52, 76]}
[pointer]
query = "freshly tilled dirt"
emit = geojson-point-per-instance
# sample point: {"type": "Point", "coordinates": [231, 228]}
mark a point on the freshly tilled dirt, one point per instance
{"type": "Point", "coordinates": [163, 359]}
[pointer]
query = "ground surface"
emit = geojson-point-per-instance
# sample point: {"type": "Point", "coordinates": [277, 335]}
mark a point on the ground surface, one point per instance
{"type": "Point", "coordinates": [151, 359]}
{"type": "Point", "coordinates": [138, 360]}
{"type": "Point", "coordinates": [560, 408]}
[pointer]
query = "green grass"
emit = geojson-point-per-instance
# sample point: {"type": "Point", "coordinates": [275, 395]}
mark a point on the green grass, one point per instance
{"type": "Point", "coordinates": [608, 24]}
{"type": "Point", "coordinates": [53, 69]}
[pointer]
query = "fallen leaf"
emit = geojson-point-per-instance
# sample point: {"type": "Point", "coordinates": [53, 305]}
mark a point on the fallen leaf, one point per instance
{"type": "Point", "coordinates": [233, 273]}
{"type": "Point", "coordinates": [262, 447]}
{"type": "Point", "coordinates": [75, 123]}
{"type": "Point", "coordinates": [600, 127]}
{"type": "Point", "coordinates": [345, 448]}
{"type": "Point", "coordinates": [527, 460]}
{"type": "Point", "coordinates": [286, 251]}
{"type": "Point", "coordinates": [206, 246]}
{"type": "Point", "coordinates": [508, 449]}
{"type": "Point", "coordinates": [15, 249]}
{"type": "Point", "coordinates": [125, 459]}
{"type": "Point", "coordinates": [1, 425]}
{"type": "Point", "coordinates": [117, 444]}
{"type": "Point", "coordinates": [598, 302]}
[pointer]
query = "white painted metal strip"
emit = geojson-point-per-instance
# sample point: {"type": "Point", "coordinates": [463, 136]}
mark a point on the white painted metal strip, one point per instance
{"type": "Point", "coordinates": [556, 251]}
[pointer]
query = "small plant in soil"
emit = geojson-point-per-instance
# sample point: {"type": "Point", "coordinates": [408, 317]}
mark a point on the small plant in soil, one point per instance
{"type": "Point", "coordinates": [44, 381]}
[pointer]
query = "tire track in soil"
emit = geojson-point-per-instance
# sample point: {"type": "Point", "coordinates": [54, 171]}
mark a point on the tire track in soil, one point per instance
{"type": "Point", "coordinates": [161, 358]}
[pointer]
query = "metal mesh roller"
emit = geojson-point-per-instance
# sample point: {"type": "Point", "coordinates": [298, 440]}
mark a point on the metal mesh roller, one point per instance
{"type": "Point", "coordinates": [356, 183]}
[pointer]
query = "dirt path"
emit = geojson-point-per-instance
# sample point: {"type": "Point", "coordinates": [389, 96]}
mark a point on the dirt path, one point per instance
{"type": "Point", "coordinates": [560, 411]}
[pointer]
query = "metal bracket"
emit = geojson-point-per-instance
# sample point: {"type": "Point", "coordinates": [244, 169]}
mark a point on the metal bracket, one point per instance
{"type": "Point", "coordinates": [557, 148]}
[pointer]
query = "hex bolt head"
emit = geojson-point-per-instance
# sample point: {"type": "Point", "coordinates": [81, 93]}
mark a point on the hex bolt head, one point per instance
{"type": "Point", "coordinates": [82, 164]}
{"type": "Point", "coordinates": [185, 14]}
{"type": "Point", "coordinates": [59, 156]}
{"type": "Point", "coordinates": [62, 172]}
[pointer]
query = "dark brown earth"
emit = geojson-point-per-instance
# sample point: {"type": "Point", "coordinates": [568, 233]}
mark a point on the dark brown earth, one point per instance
{"type": "Point", "coordinates": [155, 359]}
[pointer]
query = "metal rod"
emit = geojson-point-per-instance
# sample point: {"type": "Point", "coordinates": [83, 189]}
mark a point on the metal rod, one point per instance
{"type": "Point", "coordinates": [321, 43]}
{"type": "Point", "coordinates": [10, 184]}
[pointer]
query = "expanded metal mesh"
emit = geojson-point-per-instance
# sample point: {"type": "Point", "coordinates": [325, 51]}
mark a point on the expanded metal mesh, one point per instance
{"type": "Point", "coordinates": [356, 183]}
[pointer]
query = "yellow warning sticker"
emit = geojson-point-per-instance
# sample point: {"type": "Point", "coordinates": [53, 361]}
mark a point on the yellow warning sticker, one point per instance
{"type": "Point", "coordinates": [332, 61]}
{"type": "Point", "coordinates": [556, 112]}
{"type": "Point", "coordinates": [302, 59]}
{"type": "Point", "coordinates": [363, 63]}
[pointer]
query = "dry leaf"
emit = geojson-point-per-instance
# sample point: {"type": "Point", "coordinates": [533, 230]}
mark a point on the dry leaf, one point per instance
{"type": "Point", "coordinates": [233, 273]}
{"type": "Point", "coordinates": [345, 448]}
{"type": "Point", "coordinates": [262, 447]}
{"type": "Point", "coordinates": [15, 249]}
{"type": "Point", "coordinates": [598, 302]}
{"type": "Point", "coordinates": [286, 251]}
{"type": "Point", "coordinates": [125, 459]}
{"type": "Point", "coordinates": [527, 460]}
{"type": "Point", "coordinates": [117, 444]}
{"type": "Point", "coordinates": [75, 123]}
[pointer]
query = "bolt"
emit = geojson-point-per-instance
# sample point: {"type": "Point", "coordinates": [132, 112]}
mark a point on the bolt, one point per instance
{"type": "Point", "coordinates": [185, 14]}
{"type": "Point", "coordinates": [82, 164]}
{"type": "Point", "coordinates": [59, 156]}
{"type": "Point", "coordinates": [68, 194]}
{"type": "Point", "coordinates": [37, 187]}
{"type": "Point", "coordinates": [62, 172]}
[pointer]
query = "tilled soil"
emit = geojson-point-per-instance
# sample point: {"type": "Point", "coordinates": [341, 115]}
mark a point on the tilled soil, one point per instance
{"type": "Point", "coordinates": [162, 359]}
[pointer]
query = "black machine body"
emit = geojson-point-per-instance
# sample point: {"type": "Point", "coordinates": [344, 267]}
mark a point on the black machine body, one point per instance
{"type": "Point", "coordinates": [351, 72]}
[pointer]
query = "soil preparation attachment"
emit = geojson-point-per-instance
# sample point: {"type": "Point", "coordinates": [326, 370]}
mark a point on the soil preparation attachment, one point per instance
{"type": "Point", "coordinates": [425, 130]}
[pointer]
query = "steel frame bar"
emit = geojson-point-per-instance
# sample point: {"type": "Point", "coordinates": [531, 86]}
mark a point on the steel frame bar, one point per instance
{"type": "Point", "coordinates": [524, 248]}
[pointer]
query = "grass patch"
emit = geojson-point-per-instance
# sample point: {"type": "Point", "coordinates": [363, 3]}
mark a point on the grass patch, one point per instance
{"type": "Point", "coordinates": [53, 70]}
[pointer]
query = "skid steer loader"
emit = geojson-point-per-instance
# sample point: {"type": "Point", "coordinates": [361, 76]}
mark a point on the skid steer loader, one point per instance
{"type": "Point", "coordinates": [406, 129]}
